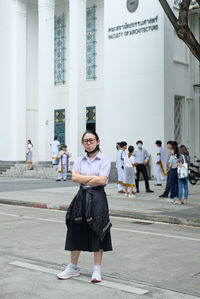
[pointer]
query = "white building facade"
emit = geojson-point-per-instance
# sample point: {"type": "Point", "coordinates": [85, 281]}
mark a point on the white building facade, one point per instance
{"type": "Point", "coordinates": [116, 66]}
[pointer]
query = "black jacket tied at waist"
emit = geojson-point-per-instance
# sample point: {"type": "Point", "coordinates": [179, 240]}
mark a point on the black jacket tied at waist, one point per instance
{"type": "Point", "coordinates": [96, 210]}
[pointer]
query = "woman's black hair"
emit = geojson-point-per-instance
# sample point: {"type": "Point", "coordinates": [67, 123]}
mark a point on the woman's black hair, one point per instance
{"type": "Point", "coordinates": [123, 143]}
{"type": "Point", "coordinates": [29, 140]}
{"type": "Point", "coordinates": [170, 142]}
{"type": "Point", "coordinates": [130, 149]}
{"type": "Point", "coordinates": [139, 141]}
{"type": "Point", "coordinates": [91, 132]}
{"type": "Point", "coordinates": [175, 148]}
{"type": "Point", "coordinates": [174, 143]}
{"type": "Point", "coordinates": [158, 142]}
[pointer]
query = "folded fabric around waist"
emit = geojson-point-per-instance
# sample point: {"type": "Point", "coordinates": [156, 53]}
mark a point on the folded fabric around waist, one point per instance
{"type": "Point", "coordinates": [96, 211]}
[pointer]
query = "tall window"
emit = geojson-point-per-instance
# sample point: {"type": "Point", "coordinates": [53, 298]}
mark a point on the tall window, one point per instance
{"type": "Point", "coordinates": [91, 118]}
{"type": "Point", "coordinates": [178, 119]}
{"type": "Point", "coordinates": [91, 43]}
{"type": "Point", "coordinates": [59, 49]}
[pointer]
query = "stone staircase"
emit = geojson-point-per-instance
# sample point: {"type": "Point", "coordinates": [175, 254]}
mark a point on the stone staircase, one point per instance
{"type": "Point", "coordinates": [42, 170]}
{"type": "Point", "coordinates": [6, 165]}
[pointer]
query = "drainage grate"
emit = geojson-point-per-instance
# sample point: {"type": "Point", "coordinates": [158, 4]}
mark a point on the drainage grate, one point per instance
{"type": "Point", "coordinates": [142, 222]}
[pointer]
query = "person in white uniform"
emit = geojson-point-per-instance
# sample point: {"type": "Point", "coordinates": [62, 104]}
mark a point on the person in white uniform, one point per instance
{"type": "Point", "coordinates": [29, 153]}
{"type": "Point", "coordinates": [55, 144]}
{"type": "Point", "coordinates": [63, 166]}
{"type": "Point", "coordinates": [129, 172]}
{"type": "Point", "coordinates": [160, 163]}
{"type": "Point", "coordinates": [120, 165]}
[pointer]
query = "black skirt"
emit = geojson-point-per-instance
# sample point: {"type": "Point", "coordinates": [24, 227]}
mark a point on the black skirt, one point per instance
{"type": "Point", "coordinates": [81, 237]}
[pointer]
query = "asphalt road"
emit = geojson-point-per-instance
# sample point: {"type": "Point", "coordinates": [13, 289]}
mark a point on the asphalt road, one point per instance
{"type": "Point", "coordinates": [149, 260]}
{"type": "Point", "coordinates": [19, 184]}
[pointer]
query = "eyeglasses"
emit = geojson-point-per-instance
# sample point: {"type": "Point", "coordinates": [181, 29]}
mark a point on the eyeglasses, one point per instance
{"type": "Point", "coordinates": [91, 140]}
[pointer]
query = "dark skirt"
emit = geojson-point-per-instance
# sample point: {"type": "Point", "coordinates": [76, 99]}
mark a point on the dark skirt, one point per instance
{"type": "Point", "coordinates": [81, 237]}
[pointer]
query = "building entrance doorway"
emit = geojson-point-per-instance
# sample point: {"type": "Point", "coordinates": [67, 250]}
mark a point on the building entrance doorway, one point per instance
{"type": "Point", "coordinates": [91, 118]}
{"type": "Point", "coordinates": [59, 125]}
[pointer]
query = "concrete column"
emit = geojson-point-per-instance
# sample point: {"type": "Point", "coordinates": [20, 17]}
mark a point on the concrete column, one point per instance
{"type": "Point", "coordinates": [46, 76]}
{"type": "Point", "coordinates": [19, 80]}
{"type": "Point", "coordinates": [77, 74]}
{"type": "Point", "coordinates": [12, 78]}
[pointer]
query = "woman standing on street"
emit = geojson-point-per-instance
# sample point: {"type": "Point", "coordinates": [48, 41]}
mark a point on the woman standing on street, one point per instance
{"type": "Point", "coordinates": [29, 152]}
{"type": "Point", "coordinates": [172, 168]}
{"type": "Point", "coordinates": [183, 182]}
{"type": "Point", "coordinates": [87, 218]}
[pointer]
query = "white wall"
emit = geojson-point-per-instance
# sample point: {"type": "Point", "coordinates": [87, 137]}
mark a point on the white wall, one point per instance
{"type": "Point", "coordinates": [179, 80]}
{"type": "Point", "coordinates": [61, 99]}
{"type": "Point", "coordinates": [32, 78]}
{"type": "Point", "coordinates": [133, 104]}
{"type": "Point", "coordinates": [95, 88]}
{"type": "Point", "coordinates": [6, 125]}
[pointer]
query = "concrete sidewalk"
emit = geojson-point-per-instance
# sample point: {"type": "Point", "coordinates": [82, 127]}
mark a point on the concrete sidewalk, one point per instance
{"type": "Point", "coordinates": [146, 206]}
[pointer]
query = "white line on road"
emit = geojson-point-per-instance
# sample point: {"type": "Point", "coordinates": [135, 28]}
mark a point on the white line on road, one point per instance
{"type": "Point", "coordinates": [104, 283]}
{"type": "Point", "coordinates": [49, 220]}
{"type": "Point", "coordinates": [114, 228]}
{"type": "Point", "coordinates": [154, 234]}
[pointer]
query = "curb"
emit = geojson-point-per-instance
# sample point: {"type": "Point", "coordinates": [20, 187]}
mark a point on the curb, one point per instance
{"type": "Point", "coordinates": [117, 213]}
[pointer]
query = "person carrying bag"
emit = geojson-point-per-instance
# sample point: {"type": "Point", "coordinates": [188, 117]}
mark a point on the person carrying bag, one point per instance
{"type": "Point", "coordinates": [183, 162]}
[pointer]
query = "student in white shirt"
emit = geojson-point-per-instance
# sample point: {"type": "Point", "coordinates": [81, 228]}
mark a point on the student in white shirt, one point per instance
{"type": "Point", "coordinates": [63, 167]}
{"type": "Point", "coordinates": [129, 172]}
{"type": "Point", "coordinates": [160, 163]}
{"type": "Point", "coordinates": [29, 154]}
{"type": "Point", "coordinates": [120, 165]}
{"type": "Point", "coordinates": [55, 144]}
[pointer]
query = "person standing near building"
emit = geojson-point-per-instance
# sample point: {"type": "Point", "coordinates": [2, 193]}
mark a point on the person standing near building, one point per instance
{"type": "Point", "coordinates": [141, 158]}
{"type": "Point", "coordinates": [173, 179]}
{"type": "Point", "coordinates": [129, 172]}
{"type": "Point", "coordinates": [63, 167]}
{"type": "Point", "coordinates": [160, 162]}
{"type": "Point", "coordinates": [87, 217]}
{"type": "Point", "coordinates": [120, 165]}
{"type": "Point", "coordinates": [165, 194]}
{"type": "Point", "coordinates": [55, 144]}
{"type": "Point", "coordinates": [183, 182]}
{"type": "Point", "coordinates": [29, 153]}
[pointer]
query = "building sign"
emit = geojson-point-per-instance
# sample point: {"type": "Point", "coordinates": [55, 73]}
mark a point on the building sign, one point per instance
{"type": "Point", "coordinates": [132, 5]}
{"type": "Point", "coordinates": [130, 29]}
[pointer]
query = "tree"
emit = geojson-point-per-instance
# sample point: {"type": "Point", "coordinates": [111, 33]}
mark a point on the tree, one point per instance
{"type": "Point", "coordinates": [181, 24]}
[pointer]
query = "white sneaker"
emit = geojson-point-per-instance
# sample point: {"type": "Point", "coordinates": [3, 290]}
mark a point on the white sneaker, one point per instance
{"type": "Point", "coordinates": [69, 272]}
{"type": "Point", "coordinates": [96, 276]}
{"type": "Point", "coordinates": [126, 194]}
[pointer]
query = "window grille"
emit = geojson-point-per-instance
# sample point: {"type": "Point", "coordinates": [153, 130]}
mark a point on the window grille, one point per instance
{"type": "Point", "coordinates": [59, 49]}
{"type": "Point", "coordinates": [91, 43]}
{"type": "Point", "coordinates": [178, 119]}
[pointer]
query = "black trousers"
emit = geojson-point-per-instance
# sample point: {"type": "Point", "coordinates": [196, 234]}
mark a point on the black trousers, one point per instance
{"type": "Point", "coordinates": [142, 168]}
{"type": "Point", "coordinates": [167, 188]}
{"type": "Point", "coordinates": [166, 192]}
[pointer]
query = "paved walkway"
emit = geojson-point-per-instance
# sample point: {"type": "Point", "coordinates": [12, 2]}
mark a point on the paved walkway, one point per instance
{"type": "Point", "coordinates": [147, 206]}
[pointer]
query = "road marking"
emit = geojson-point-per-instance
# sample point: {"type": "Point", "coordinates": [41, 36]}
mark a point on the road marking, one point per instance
{"type": "Point", "coordinates": [113, 228]}
{"type": "Point", "coordinates": [50, 220]}
{"type": "Point", "coordinates": [104, 283]}
{"type": "Point", "coordinates": [154, 234]}
{"type": "Point", "coordinates": [6, 214]}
